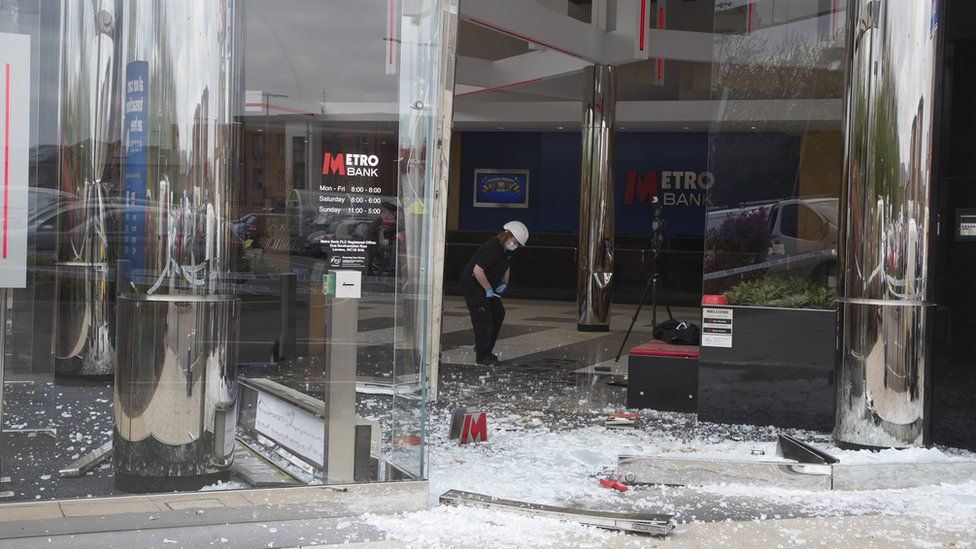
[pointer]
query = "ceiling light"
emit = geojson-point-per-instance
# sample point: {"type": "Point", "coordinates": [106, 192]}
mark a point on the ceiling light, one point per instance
{"type": "Point", "coordinates": [559, 127]}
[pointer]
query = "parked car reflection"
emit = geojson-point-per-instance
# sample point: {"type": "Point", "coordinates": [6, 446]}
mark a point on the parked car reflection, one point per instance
{"type": "Point", "coordinates": [42, 220]}
{"type": "Point", "coordinates": [48, 230]}
{"type": "Point", "coordinates": [259, 227]}
{"type": "Point", "coordinates": [800, 229]}
{"type": "Point", "coordinates": [790, 237]}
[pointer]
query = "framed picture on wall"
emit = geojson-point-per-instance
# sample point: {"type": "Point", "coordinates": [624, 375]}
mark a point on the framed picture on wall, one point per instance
{"type": "Point", "coordinates": [501, 188]}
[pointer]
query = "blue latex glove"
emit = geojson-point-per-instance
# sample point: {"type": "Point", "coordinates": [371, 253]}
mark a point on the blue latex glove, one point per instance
{"type": "Point", "coordinates": [501, 289]}
{"type": "Point", "coordinates": [489, 293]}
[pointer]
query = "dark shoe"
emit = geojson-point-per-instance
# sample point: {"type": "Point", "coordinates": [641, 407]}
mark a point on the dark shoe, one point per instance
{"type": "Point", "coordinates": [489, 360]}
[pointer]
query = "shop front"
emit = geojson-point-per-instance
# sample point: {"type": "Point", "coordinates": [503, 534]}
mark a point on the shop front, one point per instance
{"type": "Point", "coordinates": [218, 242]}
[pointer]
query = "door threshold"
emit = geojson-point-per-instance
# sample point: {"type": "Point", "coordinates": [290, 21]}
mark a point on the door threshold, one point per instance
{"type": "Point", "coordinates": [183, 509]}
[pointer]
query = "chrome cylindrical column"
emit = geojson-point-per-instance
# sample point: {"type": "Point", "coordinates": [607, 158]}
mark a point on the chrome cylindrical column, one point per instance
{"type": "Point", "coordinates": [176, 388]}
{"type": "Point", "coordinates": [595, 256]}
{"type": "Point", "coordinates": [883, 357]}
{"type": "Point", "coordinates": [176, 392]}
{"type": "Point", "coordinates": [84, 328]}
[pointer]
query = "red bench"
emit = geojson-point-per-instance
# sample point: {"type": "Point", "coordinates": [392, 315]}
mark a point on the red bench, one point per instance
{"type": "Point", "coordinates": [655, 347]}
{"type": "Point", "coordinates": [662, 376]}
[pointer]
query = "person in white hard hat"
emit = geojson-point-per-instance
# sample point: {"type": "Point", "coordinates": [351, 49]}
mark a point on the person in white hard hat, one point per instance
{"type": "Point", "coordinates": [483, 282]}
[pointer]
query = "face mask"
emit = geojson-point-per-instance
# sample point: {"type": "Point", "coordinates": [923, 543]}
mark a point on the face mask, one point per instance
{"type": "Point", "coordinates": [511, 246]}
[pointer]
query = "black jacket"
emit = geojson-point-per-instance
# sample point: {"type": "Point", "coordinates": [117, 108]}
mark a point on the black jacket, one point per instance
{"type": "Point", "coordinates": [493, 258]}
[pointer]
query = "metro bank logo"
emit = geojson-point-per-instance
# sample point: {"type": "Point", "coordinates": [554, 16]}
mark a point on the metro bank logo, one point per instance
{"type": "Point", "coordinates": [352, 165]}
{"type": "Point", "coordinates": [672, 188]}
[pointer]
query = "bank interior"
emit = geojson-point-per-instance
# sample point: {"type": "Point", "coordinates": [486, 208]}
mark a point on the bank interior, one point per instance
{"type": "Point", "coordinates": [256, 303]}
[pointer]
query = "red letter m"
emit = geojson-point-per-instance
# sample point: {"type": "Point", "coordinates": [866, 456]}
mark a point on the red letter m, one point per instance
{"type": "Point", "coordinates": [643, 189]}
{"type": "Point", "coordinates": [475, 428]}
{"type": "Point", "coordinates": [334, 164]}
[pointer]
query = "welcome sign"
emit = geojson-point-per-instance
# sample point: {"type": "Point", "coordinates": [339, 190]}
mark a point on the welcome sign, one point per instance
{"type": "Point", "coordinates": [14, 149]}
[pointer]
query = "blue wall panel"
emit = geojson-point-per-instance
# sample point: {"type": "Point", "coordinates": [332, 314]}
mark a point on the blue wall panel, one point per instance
{"type": "Point", "coordinates": [516, 150]}
{"type": "Point", "coordinates": [553, 160]}
{"type": "Point", "coordinates": [560, 175]}
{"type": "Point", "coordinates": [660, 154]}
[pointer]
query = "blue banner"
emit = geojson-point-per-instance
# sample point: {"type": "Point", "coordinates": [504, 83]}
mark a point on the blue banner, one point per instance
{"type": "Point", "coordinates": [135, 190]}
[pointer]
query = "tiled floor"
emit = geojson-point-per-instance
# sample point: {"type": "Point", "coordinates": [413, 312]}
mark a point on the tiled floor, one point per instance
{"type": "Point", "coordinates": [546, 361]}
{"type": "Point", "coordinates": [558, 318]}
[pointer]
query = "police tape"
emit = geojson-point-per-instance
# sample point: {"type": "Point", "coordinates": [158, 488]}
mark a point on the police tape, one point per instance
{"type": "Point", "coordinates": [772, 263]}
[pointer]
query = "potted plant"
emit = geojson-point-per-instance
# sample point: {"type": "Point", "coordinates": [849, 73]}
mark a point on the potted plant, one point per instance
{"type": "Point", "coordinates": [778, 369]}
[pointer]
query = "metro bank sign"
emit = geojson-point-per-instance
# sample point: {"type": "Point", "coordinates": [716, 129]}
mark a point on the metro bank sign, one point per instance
{"type": "Point", "coordinates": [672, 188]}
{"type": "Point", "coordinates": [352, 165]}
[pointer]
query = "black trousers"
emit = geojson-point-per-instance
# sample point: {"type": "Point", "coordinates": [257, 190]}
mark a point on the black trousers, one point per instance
{"type": "Point", "coordinates": [487, 315]}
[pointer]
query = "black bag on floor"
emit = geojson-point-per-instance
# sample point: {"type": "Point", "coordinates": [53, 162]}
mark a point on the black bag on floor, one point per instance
{"type": "Point", "coordinates": [677, 332]}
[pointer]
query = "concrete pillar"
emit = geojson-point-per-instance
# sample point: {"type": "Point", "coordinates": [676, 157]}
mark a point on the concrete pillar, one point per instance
{"type": "Point", "coordinates": [595, 255]}
{"type": "Point", "coordinates": [883, 357]}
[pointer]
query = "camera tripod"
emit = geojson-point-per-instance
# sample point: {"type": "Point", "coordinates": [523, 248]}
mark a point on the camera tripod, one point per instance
{"type": "Point", "coordinates": [656, 237]}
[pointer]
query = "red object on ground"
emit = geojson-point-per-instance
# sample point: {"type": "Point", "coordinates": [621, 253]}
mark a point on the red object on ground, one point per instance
{"type": "Point", "coordinates": [715, 299]}
{"type": "Point", "coordinates": [624, 415]}
{"type": "Point", "coordinates": [407, 441]}
{"type": "Point", "coordinates": [660, 348]}
{"type": "Point", "coordinates": [475, 428]}
{"type": "Point", "coordinates": [612, 483]}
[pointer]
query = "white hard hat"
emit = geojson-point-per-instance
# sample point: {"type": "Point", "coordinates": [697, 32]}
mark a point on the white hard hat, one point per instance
{"type": "Point", "coordinates": [518, 230]}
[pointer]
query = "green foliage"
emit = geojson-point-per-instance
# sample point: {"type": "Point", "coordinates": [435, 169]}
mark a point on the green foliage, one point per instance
{"type": "Point", "coordinates": [788, 293]}
{"type": "Point", "coordinates": [741, 240]}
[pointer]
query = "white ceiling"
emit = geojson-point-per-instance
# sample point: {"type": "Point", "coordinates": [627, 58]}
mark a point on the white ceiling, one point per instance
{"type": "Point", "coordinates": [520, 62]}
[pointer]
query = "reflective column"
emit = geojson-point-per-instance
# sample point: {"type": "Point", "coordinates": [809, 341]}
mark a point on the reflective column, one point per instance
{"type": "Point", "coordinates": [84, 327]}
{"type": "Point", "coordinates": [883, 356]}
{"type": "Point", "coordinates": [176, 385]}
{"type": "Point", "coordinates": [595, 256]}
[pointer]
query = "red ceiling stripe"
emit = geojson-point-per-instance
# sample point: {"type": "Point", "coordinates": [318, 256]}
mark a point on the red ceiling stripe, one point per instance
{"type": "Point", "coordinates": [833, 19]}
{"type": "Point", "coordinates": [643, 23]}
{"type": "Point", "coordinates": [749, 22]}
{"type": "Point", "coordinates": [6, 152]}
{"type": "Point", "coordinates": [660, 25]}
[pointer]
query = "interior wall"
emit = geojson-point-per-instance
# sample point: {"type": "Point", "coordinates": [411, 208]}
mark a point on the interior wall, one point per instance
{"type": "Point", "coordinates": [502, 150]}
{"type": "Point", "coordinates": [553, 161]}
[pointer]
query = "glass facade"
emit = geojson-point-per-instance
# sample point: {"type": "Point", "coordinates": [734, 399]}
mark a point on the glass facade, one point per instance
{"type": "Point", "coordinates": [776, 151]}
{"type": "Point", "coordinates": [230, 207]}
{"type": "Point", "coordinates": [773, 213]}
